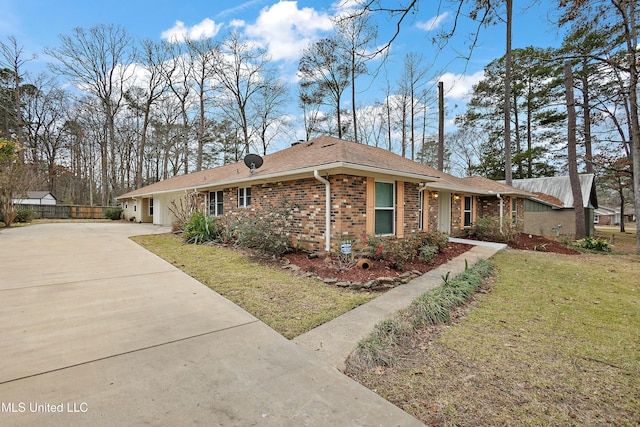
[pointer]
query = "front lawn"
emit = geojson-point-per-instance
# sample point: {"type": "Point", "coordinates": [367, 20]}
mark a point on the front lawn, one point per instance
{"type": "Point", "coordinates": [287, 303]}
{"type": "Point", "coordinates": [555, 342]}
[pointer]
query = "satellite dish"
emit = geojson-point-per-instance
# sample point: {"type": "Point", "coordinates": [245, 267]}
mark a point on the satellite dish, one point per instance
{"type": "Point", "coordinates": [253, 162]}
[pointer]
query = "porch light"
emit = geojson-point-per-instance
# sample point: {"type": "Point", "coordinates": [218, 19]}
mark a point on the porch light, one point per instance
{"type": "Point", "coordinates": [435, 195]}
{"type": "Point", "coordinates": [456, 197]}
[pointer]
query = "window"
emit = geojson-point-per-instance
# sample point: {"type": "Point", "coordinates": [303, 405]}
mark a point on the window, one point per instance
{"type": "Point", "coordinates": [596, 219]}
{"type": "Point", "coordinates": [385, 208]}
{"type": "Point", "coordinates": [244, 197]}
{"type": "Point", "coordinates": [135, 205]}
{"type": "Point", "coordinates": [514, 210]}
{"type": "Point", "coordinates": [468, 211]}
{"type": "Point", "coordinates": [151, 207]}
{"type": "Point", "coordinates": [215, 203]}
{"type": "Point", "coordinates": [126, 205]}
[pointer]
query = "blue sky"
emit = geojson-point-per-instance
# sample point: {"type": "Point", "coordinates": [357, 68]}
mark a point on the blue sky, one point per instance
{"type": "Point", "coordinates": [283, 27]}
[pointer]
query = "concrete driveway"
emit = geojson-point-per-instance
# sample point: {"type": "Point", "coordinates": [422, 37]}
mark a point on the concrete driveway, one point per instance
{"type": "Point", "coordinates": [95, 330]}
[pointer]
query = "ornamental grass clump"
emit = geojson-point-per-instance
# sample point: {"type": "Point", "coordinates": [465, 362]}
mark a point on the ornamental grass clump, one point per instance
{"type": "Point", "coordinates": [431, 308]}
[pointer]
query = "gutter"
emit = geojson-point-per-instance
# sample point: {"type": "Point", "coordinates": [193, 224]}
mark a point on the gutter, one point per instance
{"type": "Point", "coordinates": [327, 191]}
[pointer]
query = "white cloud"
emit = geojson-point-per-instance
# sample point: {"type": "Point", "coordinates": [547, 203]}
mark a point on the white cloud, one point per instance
{"type": "Point", "coordinates": [460, 86]}
{"type": "Point", "coordinates": [433, 23]}
{"type": "Point", "coordinates": [179, 32]}
{"type": "Point", "coordinates": [284, 30]}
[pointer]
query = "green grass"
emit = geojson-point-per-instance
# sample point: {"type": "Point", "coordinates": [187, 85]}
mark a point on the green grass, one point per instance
{"type": "Point", "coordinates": [287, 303]}
{"type": "Point", "coordinates": [556, 342]}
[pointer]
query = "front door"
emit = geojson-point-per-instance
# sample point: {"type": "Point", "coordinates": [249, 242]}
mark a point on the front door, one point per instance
{"type": "Point", "coordinates": [444, 211]}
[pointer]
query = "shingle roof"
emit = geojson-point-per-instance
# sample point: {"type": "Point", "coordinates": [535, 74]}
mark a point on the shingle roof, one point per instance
{"type": "Point", "coordinates": [37, 194]}
{"type": "Point", "coordinates": [324, 154]}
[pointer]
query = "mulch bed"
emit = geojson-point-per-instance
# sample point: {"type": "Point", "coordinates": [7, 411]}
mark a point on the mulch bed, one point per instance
{"type": "Point", "coordinates": [531, 242]}
{"type": "Point", "coordinates": [334, 267]}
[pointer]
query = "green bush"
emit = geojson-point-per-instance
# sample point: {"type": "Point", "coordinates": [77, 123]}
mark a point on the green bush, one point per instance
{"type": "Point", "coordinates": [24, 215]}
{"type": "Point", "coordinates": [201, 228]}
{"type": "Point", "coordinates": [427, 252]}
{"type": "Point", "coordinates": [374, 248]}
{"type": "Point", "coordinates": [267, 233]}
{"type": "Point", "coordinates": [591, 243]}
{"type": "Point", "coordinates": [437, 239]}
{"type": "Point", "coordinates": [488, 228]}
{"type": "Point", "coordinates": [113, 213]}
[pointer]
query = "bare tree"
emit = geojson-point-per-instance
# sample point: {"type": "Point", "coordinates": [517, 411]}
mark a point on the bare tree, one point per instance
{"type": "Point", "coordinates": [177, 76]}
{"type": "Point", "coordinates": [325, 73]}
{"type": "Point", "coordinates": [355, 33]}
{"type": "Point", "coordinates": [96, 60]}
{"type": "Point", "coordinates": [203, 54]}
{"type": "Point", "coordinates": [153, 60]}
{"type": "Point", "coordinates": [241, 69]}
{"type": "Point", "coordinates": [270, 118]}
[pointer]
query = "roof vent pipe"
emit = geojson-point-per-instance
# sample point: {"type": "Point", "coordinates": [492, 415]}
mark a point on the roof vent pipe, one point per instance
{"type": "Point", "coordinates": [327, 210]}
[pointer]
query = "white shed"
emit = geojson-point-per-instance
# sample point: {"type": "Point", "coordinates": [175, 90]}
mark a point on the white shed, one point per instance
{"type": "Point", "coordinates": [36, 198]}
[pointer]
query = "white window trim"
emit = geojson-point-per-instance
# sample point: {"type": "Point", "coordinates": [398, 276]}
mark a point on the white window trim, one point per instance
{"type": "Point", "coordinates": [393, 209]}
{"type": "Point", "coordinates": [216, 203]}
{"type": "Point", "coordinates": [464, 211]}
{"type": "Point", "coordinates": [242, 198]}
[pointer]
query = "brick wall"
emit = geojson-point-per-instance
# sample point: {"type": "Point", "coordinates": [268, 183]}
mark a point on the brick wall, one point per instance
{"type": "Point", "coordinates": [433, 212]}
{"type": "Point", "coordinates": [348, 208]}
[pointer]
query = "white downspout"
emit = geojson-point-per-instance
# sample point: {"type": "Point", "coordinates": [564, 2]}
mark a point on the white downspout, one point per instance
{"type": "Point", "coordinates": [421, 187]}
{"type": "Point", "coordinates": [501, 207]}
{"type": "Point", "coordinates": [327, 190]}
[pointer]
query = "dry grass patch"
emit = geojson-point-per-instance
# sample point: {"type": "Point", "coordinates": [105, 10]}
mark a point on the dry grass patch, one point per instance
{"type": "Point", "coordinates": [554, 343]}
{"type": "Point", "coordinates": [287, 303]}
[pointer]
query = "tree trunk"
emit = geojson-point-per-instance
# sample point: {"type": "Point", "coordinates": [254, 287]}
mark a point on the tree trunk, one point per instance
{"type": "Point", "coordinates": [586, 108]}
{"type": "Point", "coordinates": [507, 98]}
{"type": "Point", "coordinates": [440, 126]}
{"type": "Point", "coordinates": [576, 189]}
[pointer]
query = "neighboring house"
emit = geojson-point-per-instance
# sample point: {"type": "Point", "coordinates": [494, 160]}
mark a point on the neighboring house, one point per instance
{"type": "Point", "coordinates": [36, 198]}
{"type": "Point", "coordinates": [366, 190]}
{"type": "Point", "coordinates": [551, 211]}
{"type": "Point", "coordinates": [606, 215]}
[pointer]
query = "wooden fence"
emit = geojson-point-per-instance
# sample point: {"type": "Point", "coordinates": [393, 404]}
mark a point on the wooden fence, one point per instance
{"type": "Point", "coordinates": [66, 211]}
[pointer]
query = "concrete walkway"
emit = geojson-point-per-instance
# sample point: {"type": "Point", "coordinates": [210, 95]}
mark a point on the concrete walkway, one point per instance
{"type": "Point", "coordinates": [95, 330]}
{"type": "Point", "coordinates": [334, 341]}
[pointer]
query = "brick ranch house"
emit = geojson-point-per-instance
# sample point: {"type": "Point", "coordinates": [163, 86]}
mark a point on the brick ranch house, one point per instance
{"type": "Point", "coordinates": [366, 190]}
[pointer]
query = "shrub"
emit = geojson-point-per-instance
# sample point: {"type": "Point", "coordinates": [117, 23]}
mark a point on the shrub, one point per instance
{"type": "Point", "coordinates": [200, 228]}
{"type": "Point", "coordinates": [182, 210]}
{"type": "Point", "coordinates": [113, 213]}
{"type": "Point", "coordinates": [401, 251]}
{"type": "Point", "coordinates": [267, 233]}
{"type": "Point", "coordinates": [437, 239]}
{"type": "Point", "coordinates": [24, 215]}
{"type": "Point", "coordinates": [594, 244]}
{"type": "Point", "coordinates": [375, 248]}
{"type": "Point", "coordinates": [488, 228]}
{"type": "Point", "coordinates": [427, 252]}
